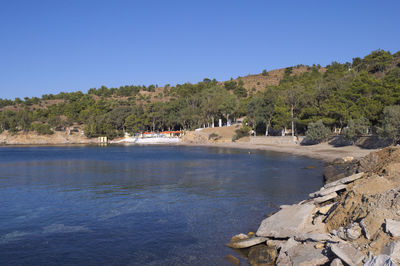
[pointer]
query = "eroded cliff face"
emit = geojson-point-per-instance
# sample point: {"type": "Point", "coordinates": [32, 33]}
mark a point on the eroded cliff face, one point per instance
{"type": "Point", "coordinates": [32, 138]}
{"type": "Point", "coordinates": [354, 219]}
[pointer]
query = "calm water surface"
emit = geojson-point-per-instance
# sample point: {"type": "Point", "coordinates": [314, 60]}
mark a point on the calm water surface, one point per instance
{"type": "Point", "coordinates": [136, 205]}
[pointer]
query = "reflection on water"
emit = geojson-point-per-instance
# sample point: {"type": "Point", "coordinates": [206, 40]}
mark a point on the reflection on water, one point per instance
{"type": "Point", "coordinates": [139, 205]}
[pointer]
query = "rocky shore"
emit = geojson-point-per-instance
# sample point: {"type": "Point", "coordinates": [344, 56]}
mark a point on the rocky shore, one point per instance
{"type": "Point", "coordinates": [353, 220]}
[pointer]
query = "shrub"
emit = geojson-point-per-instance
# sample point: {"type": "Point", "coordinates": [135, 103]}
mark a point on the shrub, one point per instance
{"type": "Point", "coordinates": [265, 73]}
{"type": "Point", "coordinates": [213, 136]}
{"type": "Point", "coordinates": [241, 133]}
{"type": "Point", "coordinates": [317, 132]}
{"type": "Point", "coordinates": [42, 129]}
{"type": "Point", "coordinates": [355, 128]}
{"type": "Point", "coordinates": [391, 124]}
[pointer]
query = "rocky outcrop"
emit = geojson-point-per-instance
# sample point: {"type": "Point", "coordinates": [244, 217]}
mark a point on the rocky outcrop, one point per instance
{"type": "Point", "coordinates": [352, 220]}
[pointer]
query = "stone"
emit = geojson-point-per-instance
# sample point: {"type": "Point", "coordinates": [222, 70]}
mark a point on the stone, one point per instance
{"type": "Point", "coordinates": [262, 255]}
{"type": "Point", "coordinates": [341, 232]}
{"type": "Point", "coordinates": [345, 180]}
{"type": "Point", "coordinates": [320, 246]}
{"type": "Point", "coordinates": [336, 262]}
{"type": "Point", "coordinates": [353, 232]}
{"type": "Point", "coordinates": [275, 243]}
{"type": "Point", "coordinates": [306, 255]}
{"type": "Point", "coordinates": [347, 253]}
{"type": "Point", "coordinates": [325, 209]}
{"type": "Point", "coordinates": [392, 227]}
{"type": "Point", "coordinates": [393, 250]}
{"type": "Point", "coordinates": [348, 159]}
{"type": "Point", "coordinates": [323, 192]}
{"type": "Point", "coordinates": [232, 259]}
{"type": "Point", "coordinates": [316, 227]}
{"type": "Point", "coordinates": [239, 237]}
{"type": "Point", "coordinates": [312, 237]}
{"type": "Point", "coordinates": [247, 242]}
{"type": "Point", "coordinates": [364, 229]}
{"type": "Point", "coordinates": [283, 259]}
{"type": "Point", "coordinates": [380, 260]}
{"type": "Point", "coordinates": [325, 198]}
{"type": "Point", "coordinates": [287, 222]}
{"type": "Point", "coordinates": [284, 206]}
{"type": "Point", "coordinates": [289, 244]}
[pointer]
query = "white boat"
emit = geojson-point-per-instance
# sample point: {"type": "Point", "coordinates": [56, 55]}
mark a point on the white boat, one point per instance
{"type": "Point", "coordinates": [153, 140]}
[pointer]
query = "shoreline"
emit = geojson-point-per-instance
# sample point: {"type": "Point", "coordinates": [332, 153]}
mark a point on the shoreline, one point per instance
{"type": "Point", "coordinates": [323, 151]}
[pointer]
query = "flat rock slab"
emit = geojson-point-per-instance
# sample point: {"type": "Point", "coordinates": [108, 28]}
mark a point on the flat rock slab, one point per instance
{"type": "Point", "coordinates": [394, 251]}
{"type": "Point", "coordinates": [247, 242]}
{"type": "Point", "coordinates": [323, 192]}
{"type": "Point", "coordinates": [336, 262]}
{"type": "Point", "coordinates": [345, 180]}
{"type": "Point", "coordinates": [313, 237]}
{"type": "Point", "coordinates": [380, 260]}
{"type": "Point", "coordinates": [347, 253]}
{"type": "Point", "coordinates": [306, 255]}
{"type": "Point", "coordinates": [325, 198]}
{"type": "Point", "coordinates": [392, 227]}
{"type": "Point", "coordinates": [325, 209]}
{"type": "Point", "coordinates": [287, 222]}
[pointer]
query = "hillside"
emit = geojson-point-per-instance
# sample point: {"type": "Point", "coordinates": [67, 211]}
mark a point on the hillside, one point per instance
{"type": "Point", "coordinates": [259, 82]}
{"type": "Point", "coordinates": [338, 95]}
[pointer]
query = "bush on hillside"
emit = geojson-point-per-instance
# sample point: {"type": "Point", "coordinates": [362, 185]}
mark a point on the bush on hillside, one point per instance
{"type": "Point", "coordinates": [241, 133]}
{"type": "Point", "coordinates": [317, 132]}
{"type": "Point", "coordinates": [213, 136]}
{"type": "Point", "coordinates": [42, 129]}
{"type": "Point", "coordinates": [391, 124]}
{"type": "Point", "coordinates": [355, 129]}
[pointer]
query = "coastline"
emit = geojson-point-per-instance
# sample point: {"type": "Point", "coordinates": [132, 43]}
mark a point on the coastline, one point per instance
{"type": "Point", "coordinates": [323, 151]}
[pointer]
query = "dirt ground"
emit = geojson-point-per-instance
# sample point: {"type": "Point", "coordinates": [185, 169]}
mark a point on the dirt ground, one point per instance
{"type": "Point", "coordinates": [322, 151]}
{"type": "Point", "coordinates": [32, 138]}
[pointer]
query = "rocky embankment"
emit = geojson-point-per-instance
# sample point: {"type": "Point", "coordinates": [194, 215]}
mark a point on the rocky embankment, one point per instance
{"type": "Point", "coordinates": [353, 220]}
{"type": "Point", "coordinates": [32, 138]}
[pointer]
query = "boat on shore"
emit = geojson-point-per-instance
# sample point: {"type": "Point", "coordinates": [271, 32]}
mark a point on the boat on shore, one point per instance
{"type": "Point", "coordinates": [165, 137]}
{"type": "Point", "coordinates": [153, 140]}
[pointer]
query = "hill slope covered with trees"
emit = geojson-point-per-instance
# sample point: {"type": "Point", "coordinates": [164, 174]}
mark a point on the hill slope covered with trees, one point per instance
{"type": "Point", "coordinates": [362, 92]}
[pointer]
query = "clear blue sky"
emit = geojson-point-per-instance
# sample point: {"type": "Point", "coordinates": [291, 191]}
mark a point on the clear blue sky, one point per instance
{"type": "Point", "coordinates": [69, 45]}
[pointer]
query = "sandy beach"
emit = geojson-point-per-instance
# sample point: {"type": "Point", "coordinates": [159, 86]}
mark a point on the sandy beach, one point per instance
{"type": "Point", "coordinates": [323, 151]}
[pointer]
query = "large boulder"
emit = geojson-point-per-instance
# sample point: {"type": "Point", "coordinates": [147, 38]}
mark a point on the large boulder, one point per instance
{"type": "Point", "coordinates": [287, 222]}
{"type": "Point", "coordinates": [262, 255]}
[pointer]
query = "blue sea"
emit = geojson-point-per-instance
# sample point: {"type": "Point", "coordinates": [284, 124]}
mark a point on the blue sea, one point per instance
{"type": "Point", "coordinates": [140, 205]}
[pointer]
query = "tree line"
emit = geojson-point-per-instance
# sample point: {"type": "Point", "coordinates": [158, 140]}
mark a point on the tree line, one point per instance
{"type": "Point", "coordinates": [337, 96]}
